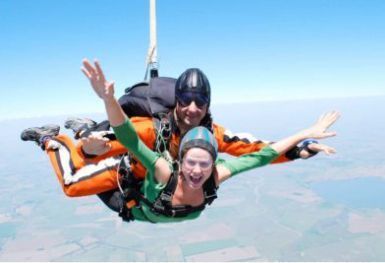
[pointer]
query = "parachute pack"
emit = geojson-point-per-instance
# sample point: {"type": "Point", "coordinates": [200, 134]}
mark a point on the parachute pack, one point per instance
{"type": "Point", "coordinates": [149, 98]}
{"type": "Point", "coordinates": [144, 99]}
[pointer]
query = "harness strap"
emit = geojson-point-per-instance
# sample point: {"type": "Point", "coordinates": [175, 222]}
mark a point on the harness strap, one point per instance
{"type": "Point", "coordinates": [163, 132]}
{"type": "Point", "coordinates": [163, 205]}
{"type": "Point", "coordinates": [210, 190]}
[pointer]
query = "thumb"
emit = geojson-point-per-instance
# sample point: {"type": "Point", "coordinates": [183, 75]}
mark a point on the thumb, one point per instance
{"type": "Point", "coordinates": [327, 135]}
{"type": "Point", "coordinates": [111, 85]}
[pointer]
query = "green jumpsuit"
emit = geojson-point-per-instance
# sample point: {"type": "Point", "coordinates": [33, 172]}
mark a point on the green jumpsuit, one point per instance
{"type": "Point", "coordinates": [151, 189]}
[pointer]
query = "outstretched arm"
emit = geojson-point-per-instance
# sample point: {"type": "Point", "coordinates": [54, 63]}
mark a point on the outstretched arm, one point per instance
{"type": "Point", "coordinates": [238, 144]}
{"type": "Point", "coordinates": [269, 153]}
{"type": "Point", "coordinates": [123, 128]}
{"type": "Point", "coordinates": [317, 131]}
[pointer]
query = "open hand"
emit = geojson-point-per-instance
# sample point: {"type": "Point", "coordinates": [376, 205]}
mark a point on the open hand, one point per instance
{"type": "Point", "coordinates": [96, 144]}
{"type": "Point", "coordinates": [319, 129]}
{"type": "Point", "coordinates": [103, 88]}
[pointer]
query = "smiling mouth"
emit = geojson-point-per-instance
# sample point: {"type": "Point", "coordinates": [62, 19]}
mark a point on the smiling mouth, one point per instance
{"type": "Point", "coordinates": [192, 116]}
{"type": "Point", "coordinates": [195, 180]}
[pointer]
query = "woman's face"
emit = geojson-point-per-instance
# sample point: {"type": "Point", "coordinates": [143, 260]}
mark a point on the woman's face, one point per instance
{"type": "Point", "coordinates": [197, 167]}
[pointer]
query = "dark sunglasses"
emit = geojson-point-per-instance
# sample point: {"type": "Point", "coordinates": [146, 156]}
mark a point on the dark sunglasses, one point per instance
{"type": "Point", "coordinates": [186, 98]}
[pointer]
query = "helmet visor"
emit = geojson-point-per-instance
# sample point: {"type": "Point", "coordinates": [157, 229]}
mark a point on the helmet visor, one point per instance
{"type": "Point", "coordinates": [185, 99]}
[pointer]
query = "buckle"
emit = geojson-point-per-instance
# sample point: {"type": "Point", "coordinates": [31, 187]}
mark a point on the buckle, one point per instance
{"type": "Point", "coordinates": [158, 206]}
{"type": "Point", "coordinates": [126, 214]}
{"type": "Point", "coordinates": [210, 198]}
{"type": "Point", "coordinates": [165, 197]}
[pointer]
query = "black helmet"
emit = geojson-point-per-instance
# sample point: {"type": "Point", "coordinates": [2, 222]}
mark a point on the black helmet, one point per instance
{"type": "Point", "coordinates": [193, 81]}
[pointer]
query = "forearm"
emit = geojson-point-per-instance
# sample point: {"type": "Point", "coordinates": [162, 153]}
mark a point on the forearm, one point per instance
{"type": "Point", "coordinates": [127, 135]}
{"type": "Point", "coordinates": [288, 143]}
{"type": "Point", "coordinates": [115, 113]}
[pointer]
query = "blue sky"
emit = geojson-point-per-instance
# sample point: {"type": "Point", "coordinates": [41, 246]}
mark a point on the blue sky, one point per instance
{"type": "Point", "coordinates": [251, 50]}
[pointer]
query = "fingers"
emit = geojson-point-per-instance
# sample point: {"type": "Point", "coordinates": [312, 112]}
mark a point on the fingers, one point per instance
{"type": "Point", "coordinates": [110, 88]}
{"type": "Point", "coordinates": [328, 150]}
{"type": "Point", "coordinates": [94, 144]}
{"type": "Point", "coordinates": [320, 119]}
{"type": "Point", "coordinates": [332, 117]}
{"type": "Point", "coordinates": [84, 140]}
{"type": "Point", "coordinates": [325, 121]}
{"type": "Point", "coordinates": [327, 135]}
{"type": "Point", "coordinates": [100, 134]}
{"type": "Point", "coordinates": [104, 140]}
{"type": "Point", "coordinates": [98, 137]}
{"type": "Point", "coordinates": [98, 140]}
{"type": "Point", "coordinates": [88, 67]}
{"type": "Point", "coordinates": [88, 70]}
{"type": "Point", "coordinates": [99, 70]}
{"type": "Point", "coordinates": [329, 118]}
{"type": "Point", "coordinates": [86, 73]}
{"type": "Point", "coordinates": [94, 139]}
{"type": "Point", "coordinates": [93, 72]}
{"type": "Point", "coordinates": [322, 148]}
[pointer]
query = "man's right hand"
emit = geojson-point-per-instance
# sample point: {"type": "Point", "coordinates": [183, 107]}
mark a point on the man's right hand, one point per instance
{"type": "Point", "coordinates": [96, 144]}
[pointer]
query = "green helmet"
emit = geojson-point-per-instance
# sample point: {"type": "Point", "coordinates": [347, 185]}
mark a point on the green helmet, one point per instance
{"type": "Point", "coordinates": [199, 137]}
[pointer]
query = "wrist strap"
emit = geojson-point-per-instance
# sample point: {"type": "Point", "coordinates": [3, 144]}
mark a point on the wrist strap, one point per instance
{"type": "Point", "coordinates": [305, 146]}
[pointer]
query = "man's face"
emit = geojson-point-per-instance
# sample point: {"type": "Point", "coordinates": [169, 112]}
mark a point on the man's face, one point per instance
{"type": "Point", "coordinates": [190, 115]}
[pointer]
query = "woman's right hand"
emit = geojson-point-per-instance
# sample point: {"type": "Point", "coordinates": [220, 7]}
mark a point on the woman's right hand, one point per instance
{"type": "Point", "coordinates": [103, 88]}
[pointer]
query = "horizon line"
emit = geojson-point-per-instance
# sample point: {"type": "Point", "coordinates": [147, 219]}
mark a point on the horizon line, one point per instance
{"type": "Point", "coordinates": [266, 100]}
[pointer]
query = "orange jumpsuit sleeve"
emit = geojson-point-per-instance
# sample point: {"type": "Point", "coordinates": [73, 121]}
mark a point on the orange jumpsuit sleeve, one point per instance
{"type": "Point", "coordinates": [144, 128]}
{"type": "Point", "coordinates": [241, 143]}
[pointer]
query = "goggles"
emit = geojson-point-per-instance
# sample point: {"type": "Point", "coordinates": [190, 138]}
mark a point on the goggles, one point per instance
{"type": "Point", "coordinates": [186, 98]}
{"type": "Point", "coordinates": [203, 165]}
